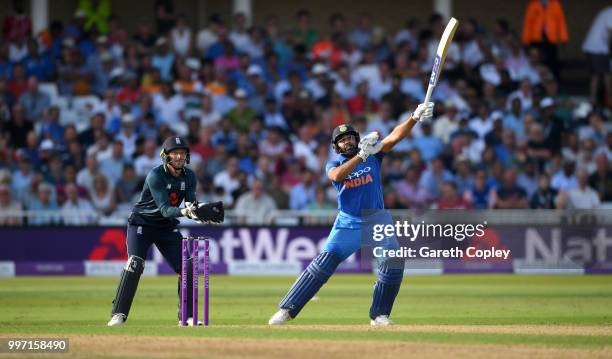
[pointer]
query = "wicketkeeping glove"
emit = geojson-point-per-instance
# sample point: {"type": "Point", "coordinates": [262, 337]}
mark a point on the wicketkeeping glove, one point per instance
{"type": "Point", "coordinates": [206, 212]}
{"type": "Point", "coordinates": [369, 145]}
{"type": "Point", "coordinates": [423, 111]}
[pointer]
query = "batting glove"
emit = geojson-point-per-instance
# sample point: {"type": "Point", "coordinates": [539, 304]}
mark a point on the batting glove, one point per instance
{"type": "Point", "coordinates": [369, 145]}
{"type": "Point", "coordinates": [423, 111]}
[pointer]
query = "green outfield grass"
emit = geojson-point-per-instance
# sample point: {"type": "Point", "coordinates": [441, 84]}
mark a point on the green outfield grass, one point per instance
{"type": "Point", "coordinates": [240, 306]}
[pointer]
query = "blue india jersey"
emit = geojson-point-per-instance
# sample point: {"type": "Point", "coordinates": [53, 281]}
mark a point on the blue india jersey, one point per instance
{"type": "Point", "coordinates": [362, 189]}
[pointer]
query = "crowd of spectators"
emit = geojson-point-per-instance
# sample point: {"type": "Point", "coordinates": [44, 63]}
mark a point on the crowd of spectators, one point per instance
{"type": "Point", "coordinates": [258, 103]}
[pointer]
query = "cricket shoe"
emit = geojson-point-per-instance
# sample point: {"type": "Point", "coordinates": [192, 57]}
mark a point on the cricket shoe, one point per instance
{"type": "Point", "coordinates": [117, 320]}
{"type": "Point", "coordinates": [381, 321]}
{"type": "Point", "coordinates": [190, 322]}
{"type": "Point", "coordinates": [279, 318]}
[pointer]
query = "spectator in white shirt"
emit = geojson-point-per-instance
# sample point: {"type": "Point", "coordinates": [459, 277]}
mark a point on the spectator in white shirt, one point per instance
{"type": "Point", "coordinates": [23, 176]}
{"type": "Point", "coordinates": [113, 166]}
{"type": "Point", "coordinates": [102, 196]}
{"type": "Point", "coordinates": [446, 124]}
{"type": "Point", "coordinates": [272, 116]}
{"type": "Point", "coordinates": [596, 47]}
{"type": "Point", "coordinates": [565, 180]}
{"type": "Point", "coordinates": [168, 105]}
{"type": "Point", "coordinates": [382, 84]}
{"type": "Point", "coordinates": [368, 69]}
{"type": "Point", "coordinates": [471, 53]}
{"type": "Point", "coordinates": [102, 148]}
{"type": "Point", "coordinates": [255, 206]}
{"type": "Point", "coordinates": [128, 136]}
{"type": "Point", "coordinates": [274, 145]}
{"type": "Point", "coordinates": [109, 108]}
{"type": "Point", "coordinates": [209, 35]}
{"type": "Point", "coordinates": [208, 116]}
{"type": "Point", "coordinates": [316, 84]}
{"type": "Point", "coordinates": [239, 35]}
{"type": "Point", "coordinates": [148, 160]}
{"type": "Point", "coordinates": [76, 211]}
{"type": "Point", "coordinates": [524, 94]}
{"type": "Point", "coordinates": [383, 121]}
{"type": "Point", "coordinates": [228, 179]}
{"type": "Point", "coordinates": [481, 124]}
{"type": "Point", "coordinates": [85, 177]}
{"type": "Point", "coordinates": [181, 37]}
{"type": "Point", "coordinates": [344, 86]}
{"type": "Point", "coordinates": [304, 193]}
{"type": "Point", "coordinates": [304, 148]}
{"type": "Point", "coordinates": [516, 62]}
{"type": "Point", "coordinates": [583, 196]}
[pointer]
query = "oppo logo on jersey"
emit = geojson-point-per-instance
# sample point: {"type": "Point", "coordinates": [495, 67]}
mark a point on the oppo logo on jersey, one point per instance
{"type": "Point", "coordinates": [358, 178]}
{"type": "Point", "coordinates": [359, 173]}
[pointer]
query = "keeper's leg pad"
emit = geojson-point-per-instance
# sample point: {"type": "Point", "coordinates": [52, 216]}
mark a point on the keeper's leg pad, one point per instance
{"type": "Point", "coordinates": [130, 275]}
{"type": "Point", "coordinates": [189, 289]}
{"type": "Point", "coordinates": [390, 275]}
{"type": "Point", "coordinates": [309, 282]}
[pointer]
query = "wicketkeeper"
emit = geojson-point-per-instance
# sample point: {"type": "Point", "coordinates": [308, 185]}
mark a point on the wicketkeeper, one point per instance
{"type": "Point", "coordinates": [356, 176]}
{"type": "Point", "coordinates": [153, 221]}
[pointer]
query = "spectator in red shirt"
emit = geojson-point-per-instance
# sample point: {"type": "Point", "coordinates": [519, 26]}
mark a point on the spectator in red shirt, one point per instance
{"type": "Point", "coordinates": [18, 25]}
{"type": "Point", "coordinates": [204, 147]}
{"type": "Point", "coordinates": [361, 104]}
{"type": "Point", "coordinates": [131, 91]}
{"type": "Point", "coordinates": [450, 199]}
{"type": "Point", "coordinates": [19, 83]}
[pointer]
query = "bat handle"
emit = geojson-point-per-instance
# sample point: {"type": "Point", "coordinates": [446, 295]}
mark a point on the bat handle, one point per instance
{"type": "Point", "coordinates": [430, 89]}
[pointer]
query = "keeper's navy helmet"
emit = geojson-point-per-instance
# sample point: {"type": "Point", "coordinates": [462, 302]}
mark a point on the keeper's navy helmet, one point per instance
{"type": "Point", "coordinates": [171, 144]}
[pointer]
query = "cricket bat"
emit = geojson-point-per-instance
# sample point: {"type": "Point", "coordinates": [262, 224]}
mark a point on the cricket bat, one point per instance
{"type": "Point", "coordinates": [445, 42]}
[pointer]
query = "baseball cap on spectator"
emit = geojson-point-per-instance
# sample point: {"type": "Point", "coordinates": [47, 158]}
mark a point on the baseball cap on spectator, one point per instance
{"type": "Point", "coordinates": [130, 75]}
{"type": "Point", "coordinates": [69, 42]}
{"type": "Point", "coordinates": [45, 187]}
{"type": "Point", "coordinates": [193, 63]}
{"type": "Point", "coordinates": [583, 109]}
{"type": "Point", "coordinates": [160, 41]}
{"type": "Point", "coordinates": [47, 145]}
{"type": "Point", "coordinates": [378, 33]}
{"type": "Point", "coordinates": [240, 93]}
{"type": "Point", "coordinates": [319, 69]}
{"type": "Point", "coordinates": [462, 159]}
{"type": "Point", "coordinates": [106, 56]}
{"type": "Point", "coordinates": [254, 70]}
{"type": "Point", "coordinates": [497, 115]}
{"type": "Point", "coordinates": [116, 72]}
{"type": "Point", "coordinates": [547, 102]}
{"type": "Point", "coordinates": [449, 105]}
{"type": "Point", "coordinates": [102, 39]}
{"type": "Point", "coordinates": [127, 119]}
{"type": "Point", "coordinates": [304, 94]}
{"type": "Point", "coordinates": [80, 13]}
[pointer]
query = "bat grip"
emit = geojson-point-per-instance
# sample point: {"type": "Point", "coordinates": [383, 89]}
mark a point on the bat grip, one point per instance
{"type": "Point", "coordinates": [430, 89]}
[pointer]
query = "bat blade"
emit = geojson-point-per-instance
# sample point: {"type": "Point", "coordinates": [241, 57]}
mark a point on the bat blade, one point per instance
{"type": "Point", "coordinates": [445, 42]}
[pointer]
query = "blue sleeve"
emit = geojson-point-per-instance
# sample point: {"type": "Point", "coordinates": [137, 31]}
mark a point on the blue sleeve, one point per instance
{"type": "Point", "coordinates": [331, 164]}
{"type": "Point", "coordinates": [160, 195]}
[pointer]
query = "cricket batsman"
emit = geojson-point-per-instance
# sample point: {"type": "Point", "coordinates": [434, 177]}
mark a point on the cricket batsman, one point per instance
{"type": "Point", "coordinates": [356, 176]}
{"type": "Point", "coordinates": [153, 221]}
